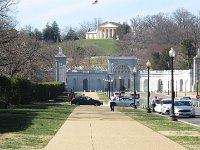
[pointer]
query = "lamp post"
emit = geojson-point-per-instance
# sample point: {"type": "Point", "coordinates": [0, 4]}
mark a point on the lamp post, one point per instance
{"type": "Point", "coordinates": [120, 82]}
{"type": "Point", "coordinates": [103, 84]}
{"type": "Point", "coordinates": [197, 87]}
{"type": "Point", "coordinates": [172, 55]}
{"type": "Point", "coordinates": [148, 64]}
{"type": "Point", "coordinates": [134, 73]}
{"type": "Point", "coordinates": [108, 81]}
{"type": "Point", "coordinates": [168, 87]}
{"type": "Point", "coordinates": [176, 88]}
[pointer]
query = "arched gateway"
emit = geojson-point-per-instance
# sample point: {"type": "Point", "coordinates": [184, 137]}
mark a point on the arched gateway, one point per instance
{"type": "Point", "coordinates": [119, 76]}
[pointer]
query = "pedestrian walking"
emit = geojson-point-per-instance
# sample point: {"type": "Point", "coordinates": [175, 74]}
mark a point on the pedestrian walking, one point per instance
{"type": "Point", "coordinates": [112, 103]}
{"type": "Point", "coordinates": [112, 106]}
{"type": "Point", "coordinates": [153, 103]}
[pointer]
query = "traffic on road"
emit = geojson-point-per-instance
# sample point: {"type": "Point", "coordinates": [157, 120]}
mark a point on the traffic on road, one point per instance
{"type": "Point", "coordinates": [193, 118]}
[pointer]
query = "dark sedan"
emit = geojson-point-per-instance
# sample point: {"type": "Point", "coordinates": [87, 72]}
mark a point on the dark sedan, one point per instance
{"type": "Point", "coordinates": [84, 100]}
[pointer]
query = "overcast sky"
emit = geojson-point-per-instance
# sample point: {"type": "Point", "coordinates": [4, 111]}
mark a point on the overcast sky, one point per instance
{"type": "Point", "coordinates": [74, 12]}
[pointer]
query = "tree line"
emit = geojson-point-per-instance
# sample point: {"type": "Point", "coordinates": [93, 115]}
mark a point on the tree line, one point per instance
{"type": "Point", "coordinates": [21, 54]}
{"type": "Point", "coordinates": [151, 37]}
{"type": "Point", "coordinates": [29, 53]}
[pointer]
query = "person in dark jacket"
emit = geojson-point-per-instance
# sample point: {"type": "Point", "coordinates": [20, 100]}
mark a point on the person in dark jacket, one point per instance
{"type": "Point", "coordinates": [112, 106]}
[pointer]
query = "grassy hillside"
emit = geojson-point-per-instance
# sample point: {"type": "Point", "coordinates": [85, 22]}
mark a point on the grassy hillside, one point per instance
{"type": "Point", "coordinates": [106, 46]}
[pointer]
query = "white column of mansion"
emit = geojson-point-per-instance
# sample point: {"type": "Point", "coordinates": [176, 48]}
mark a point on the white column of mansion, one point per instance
{"type": "Point", "coordinates": [106, 33]}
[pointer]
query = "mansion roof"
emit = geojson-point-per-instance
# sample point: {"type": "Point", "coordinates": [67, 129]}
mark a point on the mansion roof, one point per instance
{"type": "Point", "coordinates": [111, 23]}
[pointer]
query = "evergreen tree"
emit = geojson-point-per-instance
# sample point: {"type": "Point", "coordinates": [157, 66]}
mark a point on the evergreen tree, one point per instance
{"type": "Point", "coordinates": [155, 60]}
{"type": "Point", "coordinates": [47, 33]}
{"type": "Point", "coordinates": [52, 33]}
{"type": "Point", "coordinates": [56, 32]}
{"type": "Point", "coordinates": [189, 51]}
{"type": "Point", "coordinates": [160, 61]}
{"type": "Point", "coordinates": [122, 30]}
{"type": "Point", "coordinates": [37, 34]}
{"type": "Point", "coordinates": [71, 35]}
{"type": "Point", "coordinates": [164, 60]}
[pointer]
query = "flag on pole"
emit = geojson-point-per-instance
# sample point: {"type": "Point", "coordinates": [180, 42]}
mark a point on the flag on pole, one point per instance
{"type": "Point", "coordinates": [95, 2]}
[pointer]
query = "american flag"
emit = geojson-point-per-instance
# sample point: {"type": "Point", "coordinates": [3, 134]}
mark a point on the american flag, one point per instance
{"type": "Point", "coordinates": [95, 2]}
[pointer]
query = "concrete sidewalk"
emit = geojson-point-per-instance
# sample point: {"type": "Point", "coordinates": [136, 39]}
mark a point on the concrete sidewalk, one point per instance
{"type": "Point", "coordinates": [97, 128]}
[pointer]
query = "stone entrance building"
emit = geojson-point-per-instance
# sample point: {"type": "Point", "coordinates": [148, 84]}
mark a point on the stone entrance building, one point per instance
{"type": "Point", "coordinates": [97, 78]}
{"type": "Point", "coordinates": [119, 74]}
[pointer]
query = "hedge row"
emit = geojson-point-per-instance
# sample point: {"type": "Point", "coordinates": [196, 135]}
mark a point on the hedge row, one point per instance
{"type": "Point", "coordinates": [23, 91]}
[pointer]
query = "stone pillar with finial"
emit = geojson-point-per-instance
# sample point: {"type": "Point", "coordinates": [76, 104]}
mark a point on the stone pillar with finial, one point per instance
{"type": "Point", "coordinates": [60, 59]}
{"type": "Point", "coordinates": [196, 69]}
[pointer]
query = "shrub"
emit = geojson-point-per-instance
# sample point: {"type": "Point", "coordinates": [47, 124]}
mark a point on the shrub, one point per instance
{"type": "Point", "coordinates": [23, 91]}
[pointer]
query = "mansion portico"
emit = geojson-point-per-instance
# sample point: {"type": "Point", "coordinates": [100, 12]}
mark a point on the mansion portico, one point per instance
{"type": "Point", "coordinates": [105, 30]}
{"type": "Point", "coordinates": [120, 73]}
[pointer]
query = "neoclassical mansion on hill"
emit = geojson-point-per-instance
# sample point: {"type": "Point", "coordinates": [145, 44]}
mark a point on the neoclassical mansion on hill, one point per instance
{"type": "Point", "coordinates": [120, 72]}
{"type": "Point", "coordinates": [105, 30]}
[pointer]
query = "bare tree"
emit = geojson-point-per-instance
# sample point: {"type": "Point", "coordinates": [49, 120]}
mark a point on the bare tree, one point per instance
{"type": "Point", "coordinates": [183, 18]}
{"type": "Point", "coordinates": [20, 55]}
{"type": "Point", "coordinates": [7, 32]}
{"type": "Point", "coordinates": [159, 32]}
{"type": "Point", "coordinates": [7, 23]}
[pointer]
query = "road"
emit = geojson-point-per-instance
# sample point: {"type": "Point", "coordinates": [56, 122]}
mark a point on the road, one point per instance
{"type": "Point", "coordinates": [196, 120]}
{"type": "Point", "coordinates": [143, 100]}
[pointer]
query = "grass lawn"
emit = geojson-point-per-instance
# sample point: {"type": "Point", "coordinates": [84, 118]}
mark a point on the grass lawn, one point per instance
{"type": "Point", "coordinates": [184, 134]}
{"type": "Point", "coordinates": [103, 97]}
{"type": "Point", "coordinates": [31, 126]}
{"type": "Point", "coordinates": [106, 46]}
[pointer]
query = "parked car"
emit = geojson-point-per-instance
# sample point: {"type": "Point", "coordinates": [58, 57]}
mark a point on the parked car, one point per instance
{"type": "Point", "coordinates": [84, 100]}
{"type": "Point", "coordinates": [184, 108]}
{"type": "Point", "coordinates": [186, 98]}
{"type": "Point", "coordinates": [164, 106]}
{"type": "Point", "coordinates": [137, 98]}
{"type": "Point", "coordinates": [125, 101]}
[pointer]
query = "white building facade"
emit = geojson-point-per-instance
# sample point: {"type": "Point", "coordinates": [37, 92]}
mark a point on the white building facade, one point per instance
{"type": "Point", "coordinates": [160, 80]}
{"type": "Point", "coordinates": [120, 75]}
{"type": "Point", "coordinates": [105, 30]}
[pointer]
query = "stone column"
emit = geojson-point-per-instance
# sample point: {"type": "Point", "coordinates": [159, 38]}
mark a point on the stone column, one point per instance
{"type": "Point", "coordinates": [99, 34]}
{"type": "Point", "coordinates": [60, 59]}
{"type": "Point", "coordinates": [108, 33]}
{"type": "Point", "coordinates": [112, 33]}
{"type": "Point", "coordinates": [196, 69]}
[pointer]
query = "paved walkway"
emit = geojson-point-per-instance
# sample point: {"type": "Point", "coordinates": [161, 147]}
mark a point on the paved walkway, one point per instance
{"type": "Point", "coordinates": [97, 128]}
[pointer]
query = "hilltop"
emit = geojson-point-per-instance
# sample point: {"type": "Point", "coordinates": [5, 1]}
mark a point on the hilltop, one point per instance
{"type": "Point", "coordinates": [106, 47]}
{"type": "Point", "coordinates": [93, 48]}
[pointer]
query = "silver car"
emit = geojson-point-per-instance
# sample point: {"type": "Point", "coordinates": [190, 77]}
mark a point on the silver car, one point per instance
{"type": "Point", "coordinates": [126, 102]}
{"type": "Point", "coordinates": [184, 108]}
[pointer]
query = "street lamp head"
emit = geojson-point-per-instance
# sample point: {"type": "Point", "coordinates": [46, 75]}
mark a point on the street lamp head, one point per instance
{"type": "Point", "coordinates": [148, 64]}
{"type": "Point", "coordinates": [120, 77]}
{"type": "Point", "coordinates": [172, 53]}
{"type": "Point", "coordinates": [134, 70]}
